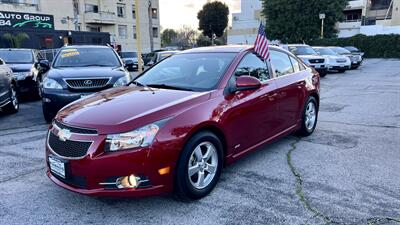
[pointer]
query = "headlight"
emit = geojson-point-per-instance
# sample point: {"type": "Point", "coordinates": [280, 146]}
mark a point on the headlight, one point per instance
{"type": "Point", "coordinates": [51, 84]}
{"type": "Point", "coordinates": [121, 81]}
{"type": "Point", "coordinates": [22, 75]}
{"type": "Point", "coordinates": [141, 137]}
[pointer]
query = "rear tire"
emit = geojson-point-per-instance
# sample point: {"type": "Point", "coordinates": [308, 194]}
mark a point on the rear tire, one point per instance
{"type": "Point", "coordinates": [323, 74]}
{"type": "Point", "coordinates": [202, 158]}
{"type": "Point", "coordinates": [309, 117]}
{"type": "Point", "coordinates": [13, 105]}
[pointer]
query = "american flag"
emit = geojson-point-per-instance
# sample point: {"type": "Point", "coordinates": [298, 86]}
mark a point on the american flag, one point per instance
{"type": "Point", "coordinates": [261, 44]}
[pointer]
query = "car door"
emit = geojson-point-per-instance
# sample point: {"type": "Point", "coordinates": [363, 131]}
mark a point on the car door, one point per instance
{"type": "Point", "coordinates": [251, 113]}
{"type": "Point", "coordinates": [290, 82]}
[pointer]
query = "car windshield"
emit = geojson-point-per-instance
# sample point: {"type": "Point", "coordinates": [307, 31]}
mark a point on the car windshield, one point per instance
{"type": "Point", "coordinates": [302, 50]}
{"type": "Point", "coordinates": [16, 56]}
{"type": "Point", "coordinates": [341, 51]}
{"type": "Point", "coordinates": [129, 55]}
{"type": "Point", "coordinates": [81, 57]}
{"type": "Point", "coordinates": [191, 71]}
{"type": "Point", "coordinates": [325, 51]}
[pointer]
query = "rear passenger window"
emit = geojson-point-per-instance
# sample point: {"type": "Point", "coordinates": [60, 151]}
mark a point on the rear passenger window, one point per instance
{"type": "Point", "coordinates": [252, 65]}
{"type": "Point", "coordinates": [281, 63]}
{"type": "Point", "coordinates": [295, 64]}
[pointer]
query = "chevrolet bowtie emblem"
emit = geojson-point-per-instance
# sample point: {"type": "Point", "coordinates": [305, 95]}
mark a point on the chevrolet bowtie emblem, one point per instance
{"type": "Point", "coordinates": [64, 134]}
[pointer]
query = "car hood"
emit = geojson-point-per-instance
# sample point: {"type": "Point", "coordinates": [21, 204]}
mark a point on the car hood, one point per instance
{"type": "Point", "coordinates": [133, 59]}
{"type": "Point", "coordinates": [334, 57]}
{"type": "Point", "coordinates": [123, 109]}
{"type": "Point", "coordinates": [310, 57]}
{"type": "Point", "coordinates": [20, 67]}
{"type": "Point", "coordinates": [85, 72]}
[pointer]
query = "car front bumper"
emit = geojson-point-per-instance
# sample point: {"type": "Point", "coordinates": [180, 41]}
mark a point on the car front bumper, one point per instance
{"type": "Point", "coordinates": [26, 85]}
{"type": "Point", "coordinates": [55, 99]}
{"type": "Point", "coordinates": [97, 171]}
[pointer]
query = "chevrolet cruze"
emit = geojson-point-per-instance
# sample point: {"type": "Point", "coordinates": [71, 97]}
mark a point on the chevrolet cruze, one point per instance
{"type": "Point", "coordinates": [179, 123]}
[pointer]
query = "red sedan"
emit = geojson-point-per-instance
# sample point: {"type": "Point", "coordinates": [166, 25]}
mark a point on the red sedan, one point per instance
{"type": "Point", "coordinates": [178, 124]}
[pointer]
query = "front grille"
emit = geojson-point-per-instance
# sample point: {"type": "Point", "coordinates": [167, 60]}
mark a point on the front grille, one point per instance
{"type": "Point", "coordinates": [317, 60]}
{"type": "Point", "coordinates": [68, 148]}
{"type": "Point", "coordinates": [90, 83]}
{"type": "Point", "coordinates": [75, 129]}
{"type": "Point", "coordinates": [341, 60]}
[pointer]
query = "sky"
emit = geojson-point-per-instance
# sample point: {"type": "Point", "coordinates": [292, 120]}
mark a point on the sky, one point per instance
{"type": "Point", "coordinates": [176, 13]}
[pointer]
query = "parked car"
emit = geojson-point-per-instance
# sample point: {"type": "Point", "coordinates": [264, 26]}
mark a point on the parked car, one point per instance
{"type": "Point", "coordinates": [134, 57]}
{"type": "Point", "coordinates": [356, 60]}
{"type": "Point", "coordinates": [355, 51]}
{"type": "Point", "coordinates": [8, 89]}
{"type": "Point", "coordinates": [309, 56]}
{"type": "Point", "coordinates": [334, 61]}
{"type": "Point", "coordinates": [78, 71]}
{"type": "Point", "coordinates": [25, 66]}
{"type": "Point", "coordinates": [180, 122]}
{"type": "Point", "coordinates": [148, 56]}
{"type": "Point", "coordinates": [159, 56]}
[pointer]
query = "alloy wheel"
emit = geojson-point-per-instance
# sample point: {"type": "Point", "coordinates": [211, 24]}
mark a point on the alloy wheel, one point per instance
{"type": "Point", "coordinates": [311, 115]}
{"type": "Point", "coordinates": [203, 164]}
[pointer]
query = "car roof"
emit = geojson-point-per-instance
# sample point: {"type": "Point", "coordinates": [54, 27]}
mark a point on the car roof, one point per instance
{"type": "Point", "coordinates": [297, 45]}
{"type": "Point", "coordinates": [218, 49]}
{"type": "Point", "coordinates": [224, 49]}
{"type": "Point", "coordinates": [17, 49]}
{"type": "Point", "coordinates": [86, 46]}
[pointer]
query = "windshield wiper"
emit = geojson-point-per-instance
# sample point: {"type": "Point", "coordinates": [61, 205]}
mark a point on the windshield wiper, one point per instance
{"type": "Point", "coordinates": [137, 83]}
{"type": "Point", "coordinates": [166, 86]}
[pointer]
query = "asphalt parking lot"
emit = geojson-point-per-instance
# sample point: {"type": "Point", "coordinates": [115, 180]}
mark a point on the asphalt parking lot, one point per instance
{"type": "Point", "coordinates": [347, 172]}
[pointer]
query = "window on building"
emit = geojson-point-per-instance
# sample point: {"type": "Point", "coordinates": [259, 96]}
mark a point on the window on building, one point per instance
{"type": "Point", "coordinates": [155, 32]}
{"type": "Point", "coordinates": [122, 30]}
{"type": "Point", "coordinates": [380, 4]}
{"type": "Point", "coordinates": [134, 32]}
{"type": "Point", "coordinates": [353, 15]}
{"type": "Point", "coordinates": [121, 10]}
{"type": "Point", "coordinates": [91, 8]}
{"type": "Point", "coordinates": [93, 28]}
{"type": "Point", "coordinates": [154, 13]}
{"type": "Point", "coordinates": [133, 12]}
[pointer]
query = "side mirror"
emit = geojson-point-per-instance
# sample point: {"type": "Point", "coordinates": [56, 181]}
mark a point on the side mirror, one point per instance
{"type": "Point", "coordinates": [44, 64]}
{"type": "Point", "coordinates": [244, 83]}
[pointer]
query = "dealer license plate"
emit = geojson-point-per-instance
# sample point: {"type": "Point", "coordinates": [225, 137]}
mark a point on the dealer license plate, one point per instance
{"type": "Point", "coordinates": [57, 167]}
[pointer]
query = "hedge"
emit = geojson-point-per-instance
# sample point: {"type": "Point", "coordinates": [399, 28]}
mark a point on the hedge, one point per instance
{"type": "Point", "coordinates": [378, 46]}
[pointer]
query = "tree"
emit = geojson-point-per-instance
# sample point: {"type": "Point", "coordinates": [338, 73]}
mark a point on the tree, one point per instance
{"type": "Point", "coordinates": [186, 37]}
{"type": "Point", "coordinates": [168, 36]}
{"type": "Point", "coordinates": [16, 40]}
{"type": "Point", "coordinates": [213, 19]}
{"type": "Point", "coordinates": [293, 21]}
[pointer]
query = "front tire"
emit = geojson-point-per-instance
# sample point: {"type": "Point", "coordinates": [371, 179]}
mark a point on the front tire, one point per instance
{"type": "Point", "coordinates": [199, 166]}
{"type": "Point", "coordinates": [309, 117]}
{"type": "Point", "coordinates": [48, 114]}
{"type": "Point", "coordinates": [342, 71]}
{"type": "Point", "coordinates": [13, 105]}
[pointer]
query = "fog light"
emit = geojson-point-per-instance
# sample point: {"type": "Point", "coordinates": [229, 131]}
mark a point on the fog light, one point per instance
{"type": "Point", "coordinates": [130, 181]}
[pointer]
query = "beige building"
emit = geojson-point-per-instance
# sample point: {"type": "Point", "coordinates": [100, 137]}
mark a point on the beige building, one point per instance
{"type": "Point", "coordinates": [116, 17]}
{"type": "Point", "coordinates": [370, 17]}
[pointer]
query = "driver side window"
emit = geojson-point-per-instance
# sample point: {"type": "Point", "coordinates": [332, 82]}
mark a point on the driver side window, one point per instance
{"type": "Point", "coordinates": [252, 65]}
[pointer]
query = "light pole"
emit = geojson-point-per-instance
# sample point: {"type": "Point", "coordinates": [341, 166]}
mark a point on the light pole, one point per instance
{"type": "Point", "coordinates": [138, 41]}
{"type": "Point", "coordinates": [322, 18]}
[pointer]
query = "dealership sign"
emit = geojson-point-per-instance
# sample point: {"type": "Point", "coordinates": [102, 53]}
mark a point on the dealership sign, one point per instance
{"type": "Point", "coordinates": [16, 20]}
